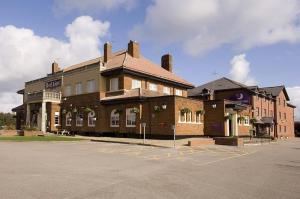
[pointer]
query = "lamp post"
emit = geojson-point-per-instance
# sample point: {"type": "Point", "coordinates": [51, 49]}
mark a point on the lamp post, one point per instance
{"type": "Point", "coordinates": [174, 131]}
{"type": "Point", "coordinates": [144, 129]}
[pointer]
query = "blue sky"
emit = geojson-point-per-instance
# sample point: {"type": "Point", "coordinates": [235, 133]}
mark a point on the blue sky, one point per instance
{"type": "Point", "coordinates": [203, 36]}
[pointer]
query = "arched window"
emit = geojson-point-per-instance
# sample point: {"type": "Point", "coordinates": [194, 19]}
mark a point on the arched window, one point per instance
{"type": "Point", "coordinates": [79, 119]}
{"type": "Point", "coordinates": [69, 119]}
{"type": "Point", "coordinates": [91, 119]}
{"type": "Point", "coordinates": [114, 118]}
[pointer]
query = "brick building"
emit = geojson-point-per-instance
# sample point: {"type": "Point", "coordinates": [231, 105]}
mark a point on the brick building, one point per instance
{"type": "Point", "coordinates": [266, 111]}
{"type": "Point", "coordinates": [118, 93]}
{"type": "Point", "coordinates": [126, 94]}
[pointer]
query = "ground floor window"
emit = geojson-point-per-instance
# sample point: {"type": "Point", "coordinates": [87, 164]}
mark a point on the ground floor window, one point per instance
{"type": "Point", "coordinates": [198, 118]}
{"type": "Point", "coordinates": [56, 119]}
{"type": "Point", "coordinates": [91, 119]}
{"type": "Point", "coordinates": [68, 119]}
{"type": "Point", "coordinates": [79, 119]}
{"type": "Point", "coordinates": [114, 118]}
{"type": "Point", "coordinates": [246, 120]}
{"type": "Point", "coordinates": [182, 116]}
{"type": "Point", "coordinates": [130, 117]}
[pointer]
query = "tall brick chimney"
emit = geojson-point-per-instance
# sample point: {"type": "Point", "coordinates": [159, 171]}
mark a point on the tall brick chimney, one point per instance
{"type": "Point", "coordinates": [107, 51]}
{"type": "Point", "coordinates": [166, 62]}
{"type": "Point", "coordinates": [134, 49]}
{"type": "Point", "coordinates": [55, 67]}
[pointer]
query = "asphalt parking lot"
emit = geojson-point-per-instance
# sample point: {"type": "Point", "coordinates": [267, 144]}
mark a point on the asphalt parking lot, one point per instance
{"type": "Point", "coordinates": [108, 170]}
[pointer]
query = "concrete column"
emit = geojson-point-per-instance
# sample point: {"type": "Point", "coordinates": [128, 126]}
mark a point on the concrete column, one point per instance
{"type": "Point", "coordinates": [28, 114]}
{"type": "Point", "coordinates": [235, 124]}
{"type": "Point", "coordinates": [43, 117]}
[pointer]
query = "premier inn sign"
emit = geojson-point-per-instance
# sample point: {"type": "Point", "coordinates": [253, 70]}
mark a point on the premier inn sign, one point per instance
{"type": "Point", "coordinates": [53, 84]}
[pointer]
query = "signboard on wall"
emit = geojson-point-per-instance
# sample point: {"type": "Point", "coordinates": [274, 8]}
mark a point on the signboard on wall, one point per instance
{"type": "Point", "coordinates": [53, 84]}
{"type": "Point", "coordinates": [242, 97]}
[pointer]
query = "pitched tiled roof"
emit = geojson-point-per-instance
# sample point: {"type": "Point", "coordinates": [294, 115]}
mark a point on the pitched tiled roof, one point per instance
{"type": "Point", "coordinates": [275, 91]}
{"type": "Point", "coordinates": [122, 59]}
{"type": "Point", "coordinates": [219, 84]}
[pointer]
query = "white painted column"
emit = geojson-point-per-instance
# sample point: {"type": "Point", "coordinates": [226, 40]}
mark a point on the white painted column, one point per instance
{"type": "Point", "coordinates": [235, 124]}
{"type": "Point", "coordinates": [43, 117]}
{"type": "Point", "coordinates": [28, 114]}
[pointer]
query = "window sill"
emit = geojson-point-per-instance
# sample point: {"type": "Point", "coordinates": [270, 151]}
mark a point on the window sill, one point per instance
{"type": "Point", "coordinates": [113, 126]}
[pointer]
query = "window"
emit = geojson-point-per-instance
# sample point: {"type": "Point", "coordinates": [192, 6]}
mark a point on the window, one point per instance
{"type": "Point", "coordinates": [79, 119]}
{"type": "Point", "coordinates": [56, 119]}
{"type": "Point", "coordinates": [91, 119]}
{"type": "Point", "coordinates": [284, 116]}
{"type": "Point", "coordinates": [178, 92]}
{"type": "Point", "coordinates": [78, 88]}
{"type": "Point", "coordinates": [279, 115]}
{"type": "Point", "coordinates": [136, 84]}
{"type": "Point", "coordinates": [278, 101]}
{"type": "Point", "coordinates": [68, 119]}
{"type": "Point", "coordinates": [182, 116]}
{"type": "Point", "coordinates": [189, 117]}
{"type": "Point", "coordinates": [166, 90]}
{"type": "Point", "coordinates": [152, 87]}
{"type": "Point", "coordinates": [265, 112]}
{"type": "Point", "coordinates": [285, 129]}
{"type": "Point", "coordinates": [246, 121]}
{"type": "Point", "coordinates": [280, 128]}
{"type": "Point", "coordinates": [257, 111]}
{"type": "Point", "coordinates": [198, 118]}
{"type": "Point", "coordinates": [271, 113]}
{"type": "Point", "coordinates": [239, 120]}
{"type": "Point", "coordinates": [68, 90]}
{"type": "Point", "coordinates": [130, 118]}
{"type": "Point", "coordinates": [91, 86]}
{"type": "Point", "coordinates": [114, 84]}
{"type": "Point", "coordinates": [284, 103]}
{"type": "Point", "coordinates": [114, 118]}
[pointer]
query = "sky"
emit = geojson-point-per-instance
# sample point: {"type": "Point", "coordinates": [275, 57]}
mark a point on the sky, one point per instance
{"type": "Point", "coordinates": [254, 42]}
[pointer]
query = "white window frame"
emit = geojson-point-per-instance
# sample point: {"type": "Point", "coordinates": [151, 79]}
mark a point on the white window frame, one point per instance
{"type": "Point", "coordinates": [69, 119]}
{"type": "Point", "coordinates": [239, 121]}
{"type": "Point", "coordinates": [114, 119]}
{"type": "Point", "coordinates": [92, 119]}
{"type": "Point", "coordinates": [68, 90]}
{"type": "Point", "coordinates": [152, 87]}
{"type": "Point", "coordinates": [188, 117]}
{"type": "Point", "coordinates": [78, 88]}
{"type": "Point", "coordinates": [114, 84]}
{"type": "Point", "coordinates": [91, 86]}
{"type": "Point", "coordinates": [246, 121]}
{"type": "Point", "coordinates": [56, 119]}
{"type": "Point", "coordinates": [135, 83]}
{"type": "Point", "coordinates": [79, 119]}
{"type": "Point", "coordinates": [166, 90]}
{"type": "Point", "coordinates": [178, 92]}
{"type": "Point", "coordinates": [130, 118]}
{"type": "Point", "coordinates": [198, 118]}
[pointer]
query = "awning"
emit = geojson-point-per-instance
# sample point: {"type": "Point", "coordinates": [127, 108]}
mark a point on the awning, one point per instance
{"type": "Point", "coordinates": [236, 106]}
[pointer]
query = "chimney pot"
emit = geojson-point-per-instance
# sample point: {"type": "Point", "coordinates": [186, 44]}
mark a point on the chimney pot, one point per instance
{"type": "Point", "coordinates": [166, 62]}
{"type": "Point", "coordinates": [55, 67]}
{"type": "Point", "coordinates": [107, 51]}
{"type": "Point", "coordinates": [134, 49]}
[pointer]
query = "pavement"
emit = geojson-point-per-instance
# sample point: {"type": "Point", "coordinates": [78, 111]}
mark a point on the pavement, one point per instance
{"type": "Point", "coordinates": [86, 169]}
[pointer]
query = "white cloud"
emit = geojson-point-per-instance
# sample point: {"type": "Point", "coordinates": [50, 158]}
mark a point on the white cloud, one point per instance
{"type": "Point", "coordinates": [25, 55]}
{"type": "Point", "coordinates": [294, 94]}
{"type": "Point", "coordinates": [201, 26]}
{"type": "Point", "coordinates": [61, 6]}
{"type": "Point", "coordinates": [8, 100]}
{"type": "Point", "coordinates": [240, 70]}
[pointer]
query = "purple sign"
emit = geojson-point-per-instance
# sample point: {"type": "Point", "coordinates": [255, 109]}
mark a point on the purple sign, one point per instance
{"type": "Point", "coordinates": [242, 97]}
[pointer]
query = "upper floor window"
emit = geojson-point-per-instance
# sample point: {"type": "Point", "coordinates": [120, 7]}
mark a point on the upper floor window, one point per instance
{"type": "Point", "coordinates": [257, 111]}
{"type": "Point", "coordinates": [278, 101]}
{"type": "Point", "coordinates": [114, 84]}
{"type": "Point", "coordinates": [152, 87]}
{"type": "Point", "coordinates": [130, 117]}
{"type": "Point", "coordinates": [279, 115]}
{"type": "Point", "coordinates": [91, 86]}
{"type": "Point", "coordinates": [178, 92]}
{"type": "Point", "coordinates": [265, 112]}
{"type": "Point", "coordinates": [68, 90]}
{"type": "Point", "coordinates": [166, 90]}
{"type": "Point", "coordinates": [284, 116]}
{"type": "Point", "coordinates": [78, 88]}
{"type": "Point", "coordinates": [136, 84]}
{"type": "Point", "coordinates": [271, 113]}
{"type": "Point", "coordinates": [284, 103]}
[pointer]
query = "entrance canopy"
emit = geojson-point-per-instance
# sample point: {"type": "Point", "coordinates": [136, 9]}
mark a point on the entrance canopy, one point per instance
{"type": "Point", "coordinates": [236, 106]}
